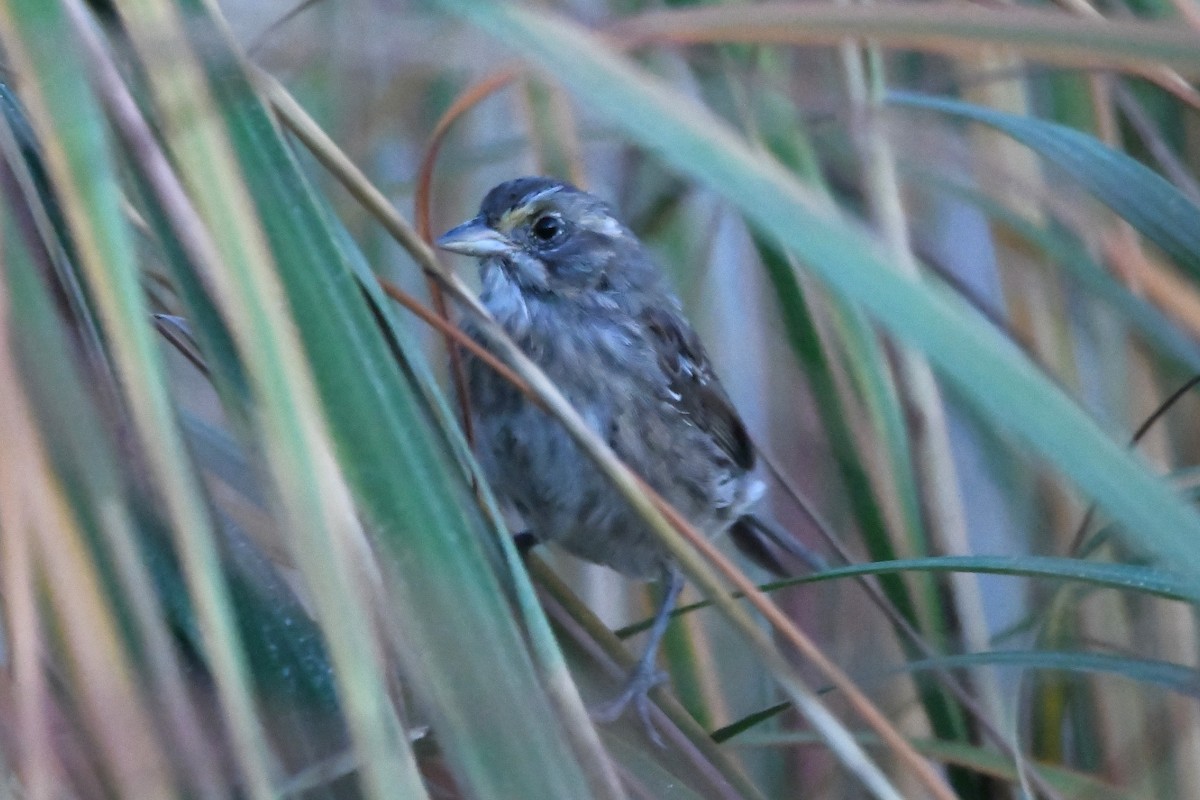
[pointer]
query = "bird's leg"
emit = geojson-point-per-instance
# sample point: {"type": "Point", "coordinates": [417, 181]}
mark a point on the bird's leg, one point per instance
{"type": "Point", "coordinates": [646, 675]}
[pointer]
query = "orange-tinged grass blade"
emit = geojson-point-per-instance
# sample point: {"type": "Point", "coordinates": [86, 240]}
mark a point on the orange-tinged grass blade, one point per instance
{"type": "Point", "coordinates": [99, 667]}
{"type": "Point", "coordinates": [1147, 49]}
{"type": "Point", "coordinates": [471, 97]}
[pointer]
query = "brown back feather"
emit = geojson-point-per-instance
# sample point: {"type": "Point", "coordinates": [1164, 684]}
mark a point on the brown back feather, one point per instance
{"type": "Point", "coordinates": [697, 391]}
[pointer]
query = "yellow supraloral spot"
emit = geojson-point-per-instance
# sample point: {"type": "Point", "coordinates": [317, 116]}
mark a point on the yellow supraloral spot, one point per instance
{"type": "Point", "coordinates": [513, 218]}
{"type": "Point", "coordinates": [510, 220]}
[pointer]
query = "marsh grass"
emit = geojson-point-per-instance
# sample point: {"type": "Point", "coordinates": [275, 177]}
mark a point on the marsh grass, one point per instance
{"type": "Point", "coordinates": [944, 256]}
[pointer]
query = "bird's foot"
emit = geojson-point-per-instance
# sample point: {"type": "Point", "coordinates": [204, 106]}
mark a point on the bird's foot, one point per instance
{"type": "Point", "coordinates": [636, 692]}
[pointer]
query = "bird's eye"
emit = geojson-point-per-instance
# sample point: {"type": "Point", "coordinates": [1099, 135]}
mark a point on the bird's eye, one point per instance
{"type": "Point", "coordinates": [547, 227]}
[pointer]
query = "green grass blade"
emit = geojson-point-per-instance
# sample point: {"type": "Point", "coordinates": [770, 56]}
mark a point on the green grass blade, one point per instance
{"type": "Point", "coordinates": [1065, 250]}
{"type": "Point", "coordinates": [450, 613]}
{"type": "Point", "coordinates": [1162, 674]}
{"type": "Point", "coordinates": [1128, 577]}
{"type": "Point", "coordinates": [69, 126]}
{"type": "Point", "coordinates": [1152, 580]}
{"type": "Point", "coordinates": [1137, 194]}
{"type": "Point", "coordinates": [104, 646]}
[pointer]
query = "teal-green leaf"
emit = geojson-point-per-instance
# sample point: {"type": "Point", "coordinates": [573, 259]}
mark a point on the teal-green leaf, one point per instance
{"type": "Point", "coordinates": [465, 655]}
{"type": "Point", "coordinates": [1163, 674]}
{"type": "Point", "coordinates": [1129, 577]}
{"type": "Point", "coordinates": [1132, 577]}
{"type": "Point", "coordinates": [1136, 193]}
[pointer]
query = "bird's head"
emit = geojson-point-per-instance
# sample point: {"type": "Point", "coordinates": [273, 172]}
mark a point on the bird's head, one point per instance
{"type": "Point", "coordinates": [549, 238]}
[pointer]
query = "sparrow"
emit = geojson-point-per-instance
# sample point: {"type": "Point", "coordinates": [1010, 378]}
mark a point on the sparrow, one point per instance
{"type": "Point", "coordinates": [583, 298]}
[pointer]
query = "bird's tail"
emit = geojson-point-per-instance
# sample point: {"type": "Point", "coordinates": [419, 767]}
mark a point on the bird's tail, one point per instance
{"type": "Point", "coordinates": [760, 541]}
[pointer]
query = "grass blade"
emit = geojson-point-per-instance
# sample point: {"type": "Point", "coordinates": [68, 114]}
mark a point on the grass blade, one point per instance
{"type": "Point", "coordinates": [1142, 197]}
{"type": "Point", "coordinates": [68, 122]}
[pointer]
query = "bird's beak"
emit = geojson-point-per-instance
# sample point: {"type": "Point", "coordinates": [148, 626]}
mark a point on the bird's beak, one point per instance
{"type": "Point", "coordinates": [474, 238]}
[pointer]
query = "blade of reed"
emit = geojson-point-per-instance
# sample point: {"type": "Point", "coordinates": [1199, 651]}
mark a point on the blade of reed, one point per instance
{"type": "Point", "coordinates": [1137, 194]}
{"type": "Point", "coordinates": [68, 122]}
{"type": "Point", "coordinates": [1161, 674]}
{"type": "Point", "coordinates": [449, 613]}
{"type": "Point", "coordinates": [285, 650]}
{"type": "Point", "coordinates": [313, 502]}
{"type": "Point", "coordinates": [1130, 577]}
{"type": "Point", "coordinates": [1064, 249]}
{"type": "Point", "coordinates": [48, 513]}
{"type": "Point", "coordinates": [939, 27]}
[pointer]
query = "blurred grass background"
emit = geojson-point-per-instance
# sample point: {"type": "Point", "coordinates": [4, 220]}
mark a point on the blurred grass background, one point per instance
{"type": "Point", "coordinates": [945, 257]}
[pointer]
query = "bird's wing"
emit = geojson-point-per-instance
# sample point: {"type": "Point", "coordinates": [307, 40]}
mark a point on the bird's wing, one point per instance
{"type": "Point", "coordinates": [693, 385]}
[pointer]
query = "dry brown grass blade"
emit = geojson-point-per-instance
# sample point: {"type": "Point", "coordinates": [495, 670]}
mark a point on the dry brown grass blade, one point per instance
{"type": "Point", "coordinates": [35, 759]}
{"type": "Point", "coordinates": [109, 698]}
{"type": "Point", "coordinates": [948, 28]}
{"type": "Point", "coordinates": [455, 335]}
{"type": "Point", "coordinates": [1165, 77]}
{"type": "Point", "coordinates": [1160, 283]}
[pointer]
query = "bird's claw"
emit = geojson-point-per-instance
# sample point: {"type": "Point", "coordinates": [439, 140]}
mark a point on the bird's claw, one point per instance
{"type": "Point", "coordinates": [636, 692]}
